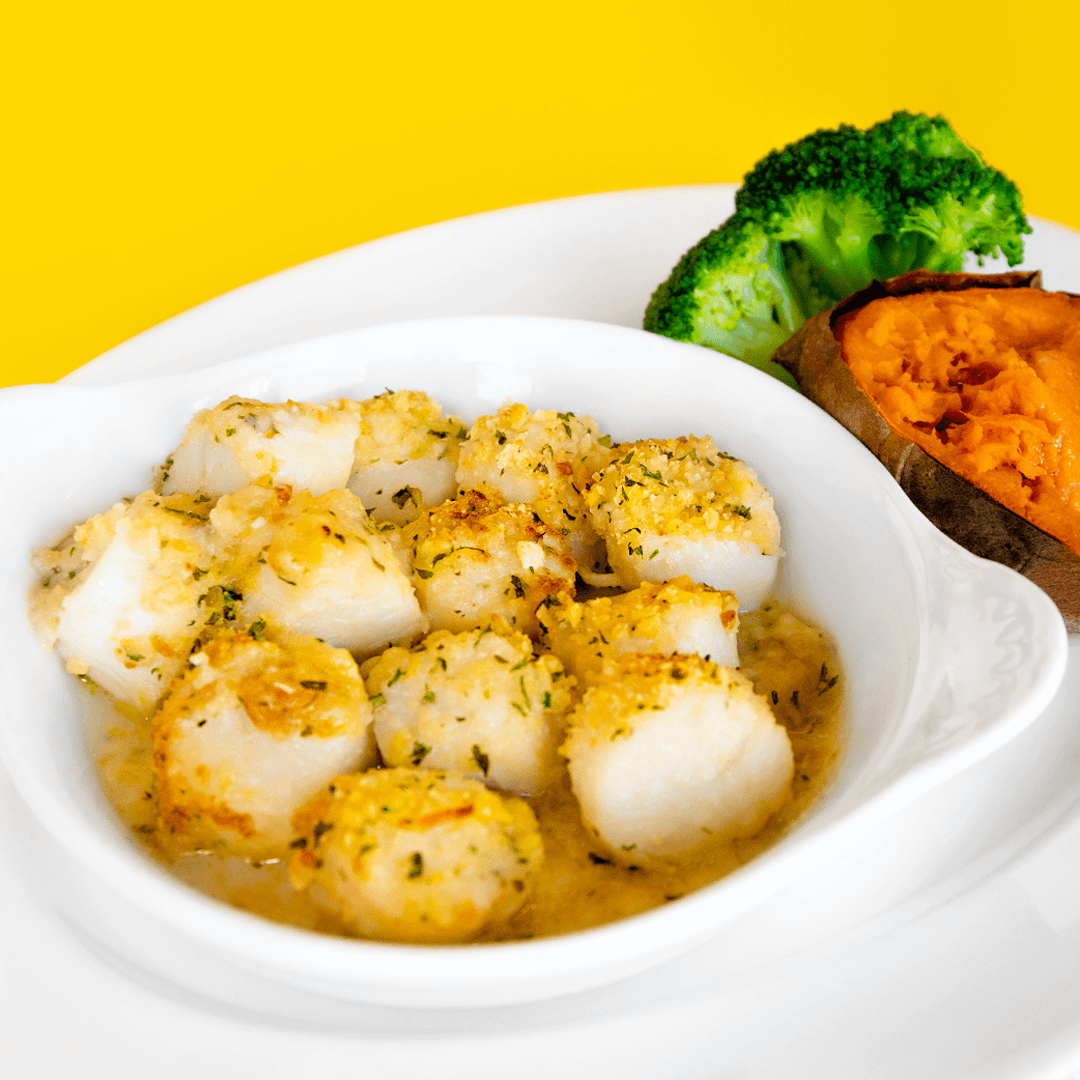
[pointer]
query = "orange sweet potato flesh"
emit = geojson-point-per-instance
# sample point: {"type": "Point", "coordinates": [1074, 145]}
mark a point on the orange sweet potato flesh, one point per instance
{"type": "Point", "coordinates": [987, 381]}
{"type": "Point", "coordinates": [967, 388]}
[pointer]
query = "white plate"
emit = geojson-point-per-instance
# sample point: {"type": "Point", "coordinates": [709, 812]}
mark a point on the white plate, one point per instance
{"type": "Point", "coordinates": [916, 930]}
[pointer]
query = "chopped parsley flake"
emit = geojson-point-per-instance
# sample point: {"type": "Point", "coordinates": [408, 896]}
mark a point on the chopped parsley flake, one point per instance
{"type": "Point", "coordinates": [481, 759]}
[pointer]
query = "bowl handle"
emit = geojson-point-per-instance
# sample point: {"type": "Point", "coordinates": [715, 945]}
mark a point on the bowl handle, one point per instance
{"type": "Point", "coordinates": [992, 655]}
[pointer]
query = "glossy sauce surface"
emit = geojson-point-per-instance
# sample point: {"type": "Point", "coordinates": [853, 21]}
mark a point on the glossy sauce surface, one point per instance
{"type": "Point", "coordinates": [790, 663]}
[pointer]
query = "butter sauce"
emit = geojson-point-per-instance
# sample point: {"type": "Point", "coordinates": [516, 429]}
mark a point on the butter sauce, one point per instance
{"type": "Point", "coordinates": [790, 663]}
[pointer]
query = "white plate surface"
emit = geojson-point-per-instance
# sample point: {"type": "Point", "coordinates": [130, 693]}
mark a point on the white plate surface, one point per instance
{"type": "Point", "coordinates": [959, 920]}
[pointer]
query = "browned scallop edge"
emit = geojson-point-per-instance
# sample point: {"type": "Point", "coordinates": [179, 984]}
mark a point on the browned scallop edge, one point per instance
{"type": "Point", "coordinates": [962, 511]}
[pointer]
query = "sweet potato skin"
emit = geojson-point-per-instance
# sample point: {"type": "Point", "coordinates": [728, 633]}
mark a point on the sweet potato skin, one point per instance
{"type": "Point", "coordinates": [962, 511]}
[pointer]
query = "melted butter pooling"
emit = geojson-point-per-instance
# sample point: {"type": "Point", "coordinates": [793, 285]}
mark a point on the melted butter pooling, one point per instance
{"type": "Point", "coordinates": [789, 662]}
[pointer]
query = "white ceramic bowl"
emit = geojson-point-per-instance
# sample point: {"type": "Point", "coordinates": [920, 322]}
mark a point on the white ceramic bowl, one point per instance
{"type": "Point", "coordinates": [946, 656]}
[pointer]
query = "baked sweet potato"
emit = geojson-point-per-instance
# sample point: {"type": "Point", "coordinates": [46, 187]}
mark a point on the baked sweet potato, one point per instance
{"type": "Point", "coordinates": [990, 416]}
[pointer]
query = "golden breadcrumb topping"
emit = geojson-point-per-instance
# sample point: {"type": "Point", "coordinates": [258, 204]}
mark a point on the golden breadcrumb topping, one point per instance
{"type": "Point", "coordinates": [251, 430]}
{"type": "Point", "coordinates": [415, 800]}
{"type": "Point", "coordinates": [683, 487]}
{"type": "Point", "coordinates": [292, 532]}
{"type": "Point", "coordinates": [401, 425]}
{"type": "Point", "coordinates": [586, 636]}
{"type": "Point", "coordinates": [479, 555]}
{"type": "Point", "coordinates": [417, 855]}
{"type": "Point", "coordinates": [545, 458]}
{"type": "Point", "coordinates": [293, 685]}
{"type": "Point", "coordinates": [173, 553]}
{"type": "Point", "coordinates": [639, 684]}
{"type": "Point", "coordinates": [486, 661]}
{"type": "Point", "coordinates": [480, 701]}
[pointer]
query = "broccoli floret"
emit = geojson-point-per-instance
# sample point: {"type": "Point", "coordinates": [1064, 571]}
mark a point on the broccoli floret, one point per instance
{"type": "Point", "coordinates": [928, 136]}
{"type": "Point", "coordinates": [825, 216]}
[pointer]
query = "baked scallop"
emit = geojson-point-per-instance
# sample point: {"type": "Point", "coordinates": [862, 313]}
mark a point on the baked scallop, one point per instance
{"type": "Point", "coordinates": [546, 459]}
{"type": "Point", "coordinates": [316, 565]}
{"type": "Point", "coordinates": [308, 446]}
{"type": "Point", "coordinates": [667, 507]}
{"type": "Point", "coordinates": [405, 456]}
{"type": "Point", "coordinates": [123, 599]}
{"type": "Point", "coordinates": [251, 732]}
{"type": "Point", "coordinates": [667, 754]}
{"type": "Point", "coordinates": [477, 556]}
{"type": "Point", "coordinates": [416, 855]}
{"type": "Point", "coordinates": [675, 617]}
{"type": "Point", "coordinates": [480, 702]}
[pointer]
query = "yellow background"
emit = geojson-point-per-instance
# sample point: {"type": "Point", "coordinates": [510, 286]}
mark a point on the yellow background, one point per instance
{"type": "Point", "coordinates": [163, 153]}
